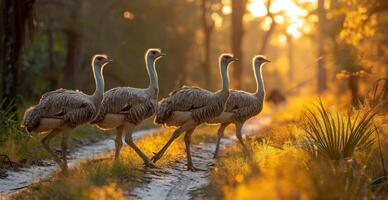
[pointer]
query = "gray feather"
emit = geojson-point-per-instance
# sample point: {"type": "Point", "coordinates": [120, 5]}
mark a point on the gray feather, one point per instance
{"type": "Point", "coordinates": [136, 104]}
{"type": "Point", "coordinates": [203, 104]}
{"type": "Point", "coordinates": [73, 107]}
{"type": "Point", "coordinates": [244, 105]}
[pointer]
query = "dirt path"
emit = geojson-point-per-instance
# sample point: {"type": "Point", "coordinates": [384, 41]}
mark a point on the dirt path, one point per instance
{"type": "Point", "coordinates": [175, 182]}
{"type": "Point", "coordinates": [23, 177]}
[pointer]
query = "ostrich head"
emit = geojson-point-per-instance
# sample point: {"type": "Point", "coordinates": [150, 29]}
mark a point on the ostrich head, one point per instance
{"type": "Point", "coordinates": [259, 60]}
{"type": "Point", "coordinates": [101, 60]}
{"type": "Point", "coordinates": [154, 54]}
{"type": "Point", "coordinates": [227, 58]}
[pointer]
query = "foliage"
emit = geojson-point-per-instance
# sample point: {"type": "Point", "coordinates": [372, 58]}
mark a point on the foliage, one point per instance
{"type": "Point", "coordinates": [280, 168]}
{"type": "Point", "coordinates": [9, 125]}
{"type": "Point", "coordinates": [337, 137]}
{"type": "Point", "coordinates": [104, 175]}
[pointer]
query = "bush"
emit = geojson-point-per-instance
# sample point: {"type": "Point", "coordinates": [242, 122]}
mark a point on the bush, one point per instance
{"type": "Point", "coordinates": [331, 135]}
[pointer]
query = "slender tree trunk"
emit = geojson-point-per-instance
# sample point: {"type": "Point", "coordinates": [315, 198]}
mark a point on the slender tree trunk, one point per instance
{"type": "Point", "coordinates": [15, 16]}
{"type": "Point", "coordinates": [354, 88]}
{"type": "Point", "coordinates": [208, 26]}
{"type": "Point", "coordinates": [50, 51]}
{"type": "Point", "coordinates": [238, 11]}
{"type": "Point", "coordinates": [271, 29]}
{"type": "Point", "coordinates": [321, 72]}
{"type": "Point", "coordinates": [290, 55]}
{"type": "Point", "coordinates": [73, 46]}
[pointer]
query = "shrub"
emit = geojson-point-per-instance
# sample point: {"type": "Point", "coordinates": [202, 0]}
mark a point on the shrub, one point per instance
{"type": "Point", "coordinates": [334, 136]}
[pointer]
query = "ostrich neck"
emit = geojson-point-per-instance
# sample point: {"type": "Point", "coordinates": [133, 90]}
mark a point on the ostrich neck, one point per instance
{"type": "Point", "coordinates": [99, 80]}
{"type": "Point", "coordinates": [260, 91]}
{"type": "Point", "coordinates": [224, 77]}
{"type": "Point", "coordinates": [152, 75]}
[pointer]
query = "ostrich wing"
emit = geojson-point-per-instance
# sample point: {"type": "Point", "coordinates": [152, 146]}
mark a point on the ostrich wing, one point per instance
{"type": "Point", "coordinates": [135, 103]}
{"type": "Point", "coordinates": [203, 104]}
{"type": "Point", "coordinates": [243, 105]}
{"type": "Point", "coordinates": [190, 98]}
{"type": "Point", "coordinates": [73, 107]}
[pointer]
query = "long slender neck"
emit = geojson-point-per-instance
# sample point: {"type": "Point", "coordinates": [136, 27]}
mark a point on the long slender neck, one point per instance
{"type": "Point", "coordinates": [224, 76]}
{"type": "Point", "coordinates": [99, 80]}
{"type": "Point", "coordinates": [260, 91]}
{"type": "Point", "coordinates": [152, 74]}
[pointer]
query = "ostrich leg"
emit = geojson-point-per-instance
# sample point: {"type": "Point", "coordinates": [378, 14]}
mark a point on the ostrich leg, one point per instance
{"type": "Point", "coordinates": [191, 124]}
{"type": "Point", "coordinates": [220, 134]}
{"type": "Point", "coordinates": [239, 126]}
{"type": "Point", "coordinates": [128, 127]}
{"type": "Point", "coordinates": [118, 141]}
{"type": "Point", "coordinates": [46, 145]}
{"type": "Point", "coordinates": [65, 137]}
{"type": "Point", "coordinates": [190, 165]}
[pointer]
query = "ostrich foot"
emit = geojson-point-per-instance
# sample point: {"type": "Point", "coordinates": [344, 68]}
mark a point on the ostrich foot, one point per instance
{"type": "Point", "coordinates": [194, 169]}
{"type": "Point", "coordinates": [156, 157]}
{"type": "Point", "coordinates": [150, 164]}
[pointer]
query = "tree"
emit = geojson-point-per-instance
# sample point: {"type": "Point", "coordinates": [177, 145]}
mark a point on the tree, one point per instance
{"type": "Point", "coordinates": [321, 72]}
{"type": "Point", "coordinates": [16, 21]}
{"type": "Point", "coordinates": [238, 11]}
{"type": "Point", "coordinates": [208, 27]}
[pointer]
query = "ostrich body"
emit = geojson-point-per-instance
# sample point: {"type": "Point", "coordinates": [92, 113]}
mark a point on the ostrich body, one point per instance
{"type": "Point", "coordinates": [188, 107]}
{"type": "Point", "coordinates": [241, 105]}
{"type": "Point", "coordinates": [123, 108]}
{"type": "Point", "coordinates": [62, 110]}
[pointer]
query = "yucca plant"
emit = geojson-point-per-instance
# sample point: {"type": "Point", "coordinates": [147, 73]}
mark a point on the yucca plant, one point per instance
{"type": "Point", "coordinates": [334, 136]}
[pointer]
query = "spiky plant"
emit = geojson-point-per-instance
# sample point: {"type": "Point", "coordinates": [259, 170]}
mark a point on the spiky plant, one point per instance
{"type": "Point", "coordinates": [334, 136]}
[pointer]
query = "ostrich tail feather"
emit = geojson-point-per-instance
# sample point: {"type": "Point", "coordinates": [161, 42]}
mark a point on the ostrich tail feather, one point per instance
{"type": "Point", "coordinates": [164, 111]}
{"type": "Point", "coordinates": [32, 117]}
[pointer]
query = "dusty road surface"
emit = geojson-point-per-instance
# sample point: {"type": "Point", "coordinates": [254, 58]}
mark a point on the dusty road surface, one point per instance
{"type": "Point", "coordinates": [175, 182]}
{"type": "Point", "coordinates": [23, 177]}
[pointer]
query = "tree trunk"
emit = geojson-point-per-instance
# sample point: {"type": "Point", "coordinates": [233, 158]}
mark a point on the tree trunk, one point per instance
{"type": "Point", "coordinates": [321, 72]}
{"type": "Point", "coordinates": [50, 51]}
{"type": "Point", "coordinates": [271, 29]}
{"type": "Point", "coordinates": [353, 87]}
{"type": "Point", "coordinates": [208, 26]}
{"type": "Point", "coordinates": [73, 46]}
{"type": "Point", "coordinates": [72, 58]}
{"type": "Point", "coordinates": [290, 55]}
{"type": "Point", "coordinates": [238, 11]}
{"type": "Point", "coordinates": [15, 17]}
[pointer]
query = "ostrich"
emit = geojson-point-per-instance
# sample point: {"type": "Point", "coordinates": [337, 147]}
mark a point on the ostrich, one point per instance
{"type": "Point", "coordinates": [123, 108]}
{"type": "Point", "coordinates": [242, 105]}
{"type": "Point", "coordinates": [188, 107]}
{"type": "Point", "coordinates": [62, 110]}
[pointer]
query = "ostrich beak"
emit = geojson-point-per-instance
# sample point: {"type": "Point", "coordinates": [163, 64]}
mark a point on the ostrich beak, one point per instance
{"type": "Point", "coordinates": [162, 55]}
{"type": "Point", "coordinates": [235, 59]}
{"type": "Point", "coordinates": [266, 60]}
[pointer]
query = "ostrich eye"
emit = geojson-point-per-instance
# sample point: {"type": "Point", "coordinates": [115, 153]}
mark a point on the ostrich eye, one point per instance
{"type": "Point", "coordinates": [99, 58]}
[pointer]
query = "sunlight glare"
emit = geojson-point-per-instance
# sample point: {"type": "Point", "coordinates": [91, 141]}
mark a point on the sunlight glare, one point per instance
{"type": "Point", "coordinates": [293, 30]}
{"type": "Point", "coordinates": [128, 15]}
{"type": "Point", "coordinates": [217, 20]}
{"type": "Point", "coordinates": [267, 22]}
{"type": "Point", "coordinates": [279, 19]}
{"type": "Point", "coordinates": [257, 8]}
{"type": "Point", "coordinates": [226, 10]}
{"type": "Point", "coordinates": [282, 39]}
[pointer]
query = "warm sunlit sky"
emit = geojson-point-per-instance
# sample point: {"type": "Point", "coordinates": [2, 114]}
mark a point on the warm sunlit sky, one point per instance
{"type": "Point", "coordinates": [286, 12]}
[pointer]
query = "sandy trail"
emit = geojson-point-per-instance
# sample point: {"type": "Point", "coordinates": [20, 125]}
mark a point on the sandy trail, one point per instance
{"type": "Point", "coordinates": [23, 177]}
{"type": "Point", "coordinates": [175, 182]}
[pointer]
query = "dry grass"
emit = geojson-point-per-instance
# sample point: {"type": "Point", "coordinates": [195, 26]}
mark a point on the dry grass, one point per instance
{"type": "Point", "coordinates": [107, 179]}
{"type": "Point", "coordinates": [280, 168]}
